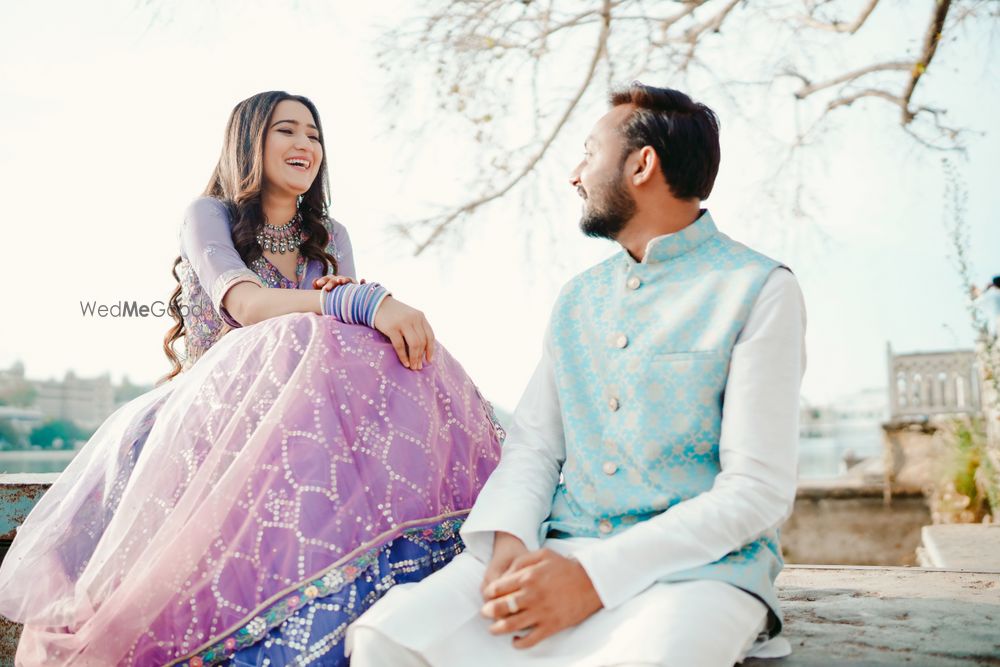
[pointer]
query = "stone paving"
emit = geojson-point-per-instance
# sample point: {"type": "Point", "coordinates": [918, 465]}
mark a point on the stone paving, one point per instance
{"type": "Point", "coordinates": [889, 616]}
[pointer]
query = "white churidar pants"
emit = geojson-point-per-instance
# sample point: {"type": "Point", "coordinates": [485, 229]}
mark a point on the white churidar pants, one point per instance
{"type": "Point", "coordinates": [437, 623]}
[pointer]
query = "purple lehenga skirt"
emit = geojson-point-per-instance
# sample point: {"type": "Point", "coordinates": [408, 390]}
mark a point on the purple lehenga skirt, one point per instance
{"type": "Point", "coordinates": [248, 510]}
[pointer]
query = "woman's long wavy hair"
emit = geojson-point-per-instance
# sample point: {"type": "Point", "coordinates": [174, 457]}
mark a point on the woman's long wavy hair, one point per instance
{"type": "Point", "coordinates": [237, 182]}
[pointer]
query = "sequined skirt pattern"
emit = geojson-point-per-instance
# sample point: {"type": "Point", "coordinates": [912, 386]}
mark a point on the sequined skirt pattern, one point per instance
{"type": "Point", "coordinates": [291, 449]}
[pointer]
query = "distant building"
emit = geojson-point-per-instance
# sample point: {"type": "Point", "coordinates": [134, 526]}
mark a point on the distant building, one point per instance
{"type": "Point", "coordinates": [22, 419]}
{"type": "Point", "coordinates": [12, 378]}
{"type": "Point", "coordinates": [928, 384]}
{"type": "Point", "coordinates": [85, 401]}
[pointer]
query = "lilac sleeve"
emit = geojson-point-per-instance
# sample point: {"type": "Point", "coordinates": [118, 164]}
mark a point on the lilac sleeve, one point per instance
{"type": "Point", "coordinates": [343, 250]}
{"type": "Point", "coordinates": [207, 243]}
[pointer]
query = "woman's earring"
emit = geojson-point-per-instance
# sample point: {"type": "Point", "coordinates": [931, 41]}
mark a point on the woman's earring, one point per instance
{"type": "Point", "coordinates": [298, 202]}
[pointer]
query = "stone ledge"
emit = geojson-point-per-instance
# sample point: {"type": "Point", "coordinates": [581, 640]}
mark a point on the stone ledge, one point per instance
{"type": "Point", "coordinates": [835, 615]}
{"type": "Point", "coordinates": [888, 616]}
{"type": "Point", "coordinates": [860, 616]}
{"type": "Point", "coordinates": [852, 487]}
{"type": "Point", "coordinates": [958, 546]}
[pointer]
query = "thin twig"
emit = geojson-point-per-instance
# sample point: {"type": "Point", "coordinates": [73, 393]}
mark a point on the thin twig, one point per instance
{"type": "Point", "coordinates": [692, 34]}
{"type": "Point", "coordinates": [809, 88]}
{"type": "Point", "coordinates": [443, 224]}
{"type": "Point", "coordinates": [848, 100]}
{"type": "Point", "coordinates": [837, 26]}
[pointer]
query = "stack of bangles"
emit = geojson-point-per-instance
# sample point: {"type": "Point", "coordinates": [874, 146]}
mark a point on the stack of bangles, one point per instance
{"type": "Point", "coordinates": [353, 303]}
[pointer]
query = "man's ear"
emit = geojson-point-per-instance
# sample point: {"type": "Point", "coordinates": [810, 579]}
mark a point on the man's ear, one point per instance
{"type": "Point", "coordinates": [646, 164]}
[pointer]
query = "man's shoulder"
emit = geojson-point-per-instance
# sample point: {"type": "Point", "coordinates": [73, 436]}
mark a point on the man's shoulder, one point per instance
{"type": "Point", "coordinates": [745, 254]}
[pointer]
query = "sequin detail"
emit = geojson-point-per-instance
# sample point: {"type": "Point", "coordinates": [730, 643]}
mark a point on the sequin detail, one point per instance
{"type": "Point", "coordinates": [333, 581]}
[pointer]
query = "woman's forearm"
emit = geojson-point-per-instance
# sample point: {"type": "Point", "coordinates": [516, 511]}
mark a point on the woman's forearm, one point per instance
{"type": "Point", "coordinates": [248, 303]}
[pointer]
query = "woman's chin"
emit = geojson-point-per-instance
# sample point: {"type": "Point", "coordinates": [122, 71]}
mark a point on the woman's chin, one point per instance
{"type": "Point", "coordinates": [300, 187]}
{"type": "Point", "coordinates": [294, 186]}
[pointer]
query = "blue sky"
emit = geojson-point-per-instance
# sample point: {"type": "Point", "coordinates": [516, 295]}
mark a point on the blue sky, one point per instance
{"type": "Point", "coordinates": [112, 122]}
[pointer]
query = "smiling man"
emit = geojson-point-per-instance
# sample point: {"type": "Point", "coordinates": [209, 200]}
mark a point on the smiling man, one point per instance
{"type": "Point", "coordinates": [633, 517]}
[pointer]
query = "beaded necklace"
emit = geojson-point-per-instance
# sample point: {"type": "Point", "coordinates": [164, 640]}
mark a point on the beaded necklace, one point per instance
{"type": "Point", "coordinates": [285, 238]}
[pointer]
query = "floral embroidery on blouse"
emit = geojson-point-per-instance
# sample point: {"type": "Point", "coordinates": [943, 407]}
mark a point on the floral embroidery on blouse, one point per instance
{"type": "Point", "coordinates": [203, 324]}
{"type": "Point", "coordinates": [263, 267]}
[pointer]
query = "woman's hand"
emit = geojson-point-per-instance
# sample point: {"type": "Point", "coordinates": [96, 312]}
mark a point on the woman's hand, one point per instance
{"type": "Point", "coordinates": [409, 332]}
{"type": "Point", "coordinates": [329, 282]}
{"type": "Point", "coordinates": [506, 549]}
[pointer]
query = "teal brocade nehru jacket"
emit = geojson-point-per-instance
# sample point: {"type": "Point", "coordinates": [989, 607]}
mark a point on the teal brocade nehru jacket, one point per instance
{"type": "Point", "coordinates": [642, 353]}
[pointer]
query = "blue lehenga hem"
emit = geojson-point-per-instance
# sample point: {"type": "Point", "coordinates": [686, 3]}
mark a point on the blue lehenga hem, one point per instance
{"type": "Point", "coordinates": [307, 626]}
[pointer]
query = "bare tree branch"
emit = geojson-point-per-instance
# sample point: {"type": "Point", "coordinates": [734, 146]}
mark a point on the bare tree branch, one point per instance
{"type": "Point", "coordinates": [711, 25]}
{"type": "Point", "coordinates": [931, 41]}
{"type": "Point", "coordinates": [481, 46]}
{"type": "Point", "coordinates": [848, 100]}
{"type": "Point", "coordinates": [837, 26]}
{"type": "Point", "coordinates": [848, 77]}
{"type": "Point", "coordinates": [440, 226]}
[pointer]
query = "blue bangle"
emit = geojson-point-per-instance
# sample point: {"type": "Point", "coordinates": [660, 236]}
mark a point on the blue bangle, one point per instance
{"type": "Point", "coordinates": [354, 304]}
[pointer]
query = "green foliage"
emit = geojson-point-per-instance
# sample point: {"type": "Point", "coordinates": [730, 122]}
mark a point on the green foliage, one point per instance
{"type": "Point", "coordinates": [970, 488]}
{"type": "Point", "coordinates": [963, 493]}
{"type": "Point", "coordinates": [988, 479]}
{"type": "Point", "coordinates": [62, 429]}
{"type": "Point", "coordinates": [966, 455]}
{"type": "Point", "coordinates": [10, 437]}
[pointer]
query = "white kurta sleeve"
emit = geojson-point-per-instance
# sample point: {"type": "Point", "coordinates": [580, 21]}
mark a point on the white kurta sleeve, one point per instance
{"type": "Point", "coordinates": [517, 497]}
{"type": "Point", "coordinates": [755, 490]}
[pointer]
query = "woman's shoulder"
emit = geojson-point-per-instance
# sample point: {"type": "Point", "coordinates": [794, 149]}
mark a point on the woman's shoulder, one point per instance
{"type": "Point", "coordinates": [334, 227]}
{"type": "Point", "coordinates": [206, 220]}
{"type": "Point", "coordinates": [339, 245]}
{"type": "Point", "coordinates": [204, 207]}
{"type": "Point", "coordinates": [339, 239]}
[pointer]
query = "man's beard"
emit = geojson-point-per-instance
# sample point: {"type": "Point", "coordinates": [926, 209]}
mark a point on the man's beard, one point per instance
{"type": "Point", "coordinates": [616, 208]}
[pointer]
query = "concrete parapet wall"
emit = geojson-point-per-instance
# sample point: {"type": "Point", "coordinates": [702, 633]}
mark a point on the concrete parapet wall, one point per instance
{"type": "Point", "coordinates": [912, 451]}
{"type": "Point", "coordinates": [18, 495]}
{"type": "Point", "coordinates": [835, 523]}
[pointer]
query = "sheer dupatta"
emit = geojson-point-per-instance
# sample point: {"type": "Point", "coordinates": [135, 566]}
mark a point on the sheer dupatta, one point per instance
{"type": "Point", "coordinates": [292, 446]}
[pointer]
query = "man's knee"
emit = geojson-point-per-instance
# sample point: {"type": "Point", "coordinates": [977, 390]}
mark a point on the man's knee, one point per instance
{"type": "Point", "coordinates": [370, 648]}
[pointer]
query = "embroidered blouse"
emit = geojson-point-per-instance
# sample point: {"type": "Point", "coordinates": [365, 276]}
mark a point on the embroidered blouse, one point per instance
{"type": "Point", "coordinates": [210, 266]}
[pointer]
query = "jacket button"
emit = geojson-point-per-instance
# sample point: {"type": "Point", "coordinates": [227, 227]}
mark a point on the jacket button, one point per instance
{"type": "Point", "coordinates": [613, 404]}
{"type": "Point", "coordinates": [610, 468]}
{"type": "Point", "coordinates": [633, 283]}
{"type": "Point", "coordinates": [604, 526]}
{"type": "Point", "coordinates": [621, 341]}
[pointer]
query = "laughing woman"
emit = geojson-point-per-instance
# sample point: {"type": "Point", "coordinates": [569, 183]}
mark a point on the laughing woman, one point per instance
{"type": "Point", "coordinates": [313, 447]}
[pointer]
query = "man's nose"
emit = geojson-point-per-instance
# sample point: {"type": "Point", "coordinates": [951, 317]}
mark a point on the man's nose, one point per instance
{"type": "Point", "coordinates": [574, 176]}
